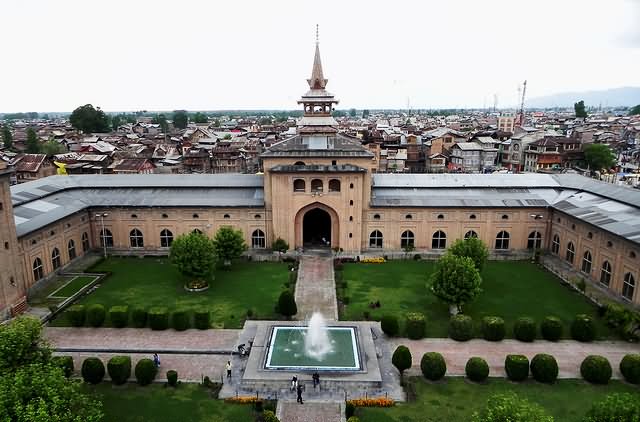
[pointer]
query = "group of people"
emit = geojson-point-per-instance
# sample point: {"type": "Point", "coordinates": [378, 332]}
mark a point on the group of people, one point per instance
{"type": "Point", "coordinates": [298, 387]}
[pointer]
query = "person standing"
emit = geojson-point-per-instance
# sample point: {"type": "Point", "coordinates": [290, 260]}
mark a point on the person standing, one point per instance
{"type": "Point", "coordinates": [229, 369]}
{"type": "Point", "coordinates": [299, 391]}
{"type": "Point", "coordinates": [316, 379]}
{"type": "Point", "coordinates": [294, 383]}
{"type": "Point", "coordinates": [156, 360]}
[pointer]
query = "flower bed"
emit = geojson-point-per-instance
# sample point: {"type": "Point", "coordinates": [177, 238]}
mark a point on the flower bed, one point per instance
{"type": "Point", "coordinates": [377, 402]}
{"type": "Point", "coordinates": [196, 286]}
{"type": "Point", "coordinates": [243, 399]}
{"type": "Point", "coordinates": [373, 260]}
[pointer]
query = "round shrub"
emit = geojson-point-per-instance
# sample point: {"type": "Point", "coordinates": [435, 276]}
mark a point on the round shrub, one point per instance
{"type": "Point", "coordinates": [461, 327]}
{"type": "Point", "coordinates": [119, 369]}
{"type": "Point", "coordinates": [119, 316]}
{"type": "Point", "coordinates": [158, 318]}
{"type": "Point", "coordinates": [477, 369]}
{"type": "Point", "coordinates": [77, 315]}
{"type": "Point", "coordinates": [349, 410]}
{"type": "Point", "coordinates": [433, 366]}
{"type": "Point", "coordinates": [493, 328]}
{"type": "Point", "coordinates": [389, 325]}
{"type": "Point", "coordinates": [180, 320]}
{"type": "Point", "coordinates": [139, 317]}
{"type": "Point", "coordinates": [145, 371]}
{"type": "Point", "coordinates": [269, 416]}
{"type": "Point", "coordinates": [92, 370]}
{"type": "Point", "coordinates": [596, 369]}
{"type": "Point", "coordinates": [630, 368]}
{"type": "Point", "coordinates": [401, 358]}
{"type": "Point", "coordinates": [551, 328]}
{"type": "Point", "coordinates": [172, 378]}
{"type": "Point", "coordinates": [516, 367]}
{"type": "Point", "coordinates": [525, 329]}
{"type": "Point", "coordinates": [64, 362]}
{"type": "Point", "coordinates": [353, 419]}
{"type": "Point", "coordinates": [583, 328]}
{"type": "Point", "coordinates": [96, 315]}
{"type": "Point", "coordinates": [544, 368]}
{"type": "Point", "coordinates": [416, 325]}
{"type": "Point", "coordinates": [202, 319]}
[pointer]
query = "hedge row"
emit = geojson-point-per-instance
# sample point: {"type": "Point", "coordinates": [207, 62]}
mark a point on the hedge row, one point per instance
{"type": "Point", "coordinates": [119, 369]}
{"type": "Point", "coordinates": [157, 318]}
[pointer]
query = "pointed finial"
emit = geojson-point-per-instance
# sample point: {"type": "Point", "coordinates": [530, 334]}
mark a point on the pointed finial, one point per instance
{"type": "Point", "coordinates": [317, 33]}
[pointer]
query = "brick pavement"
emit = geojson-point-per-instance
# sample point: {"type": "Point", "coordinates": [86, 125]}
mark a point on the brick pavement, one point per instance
{"type": "Point", "coordinates": [316, 288]}
{"type": "Point", "coordinates": [310, 411]}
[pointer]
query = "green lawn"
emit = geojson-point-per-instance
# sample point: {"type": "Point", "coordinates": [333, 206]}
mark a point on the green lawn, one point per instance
{"type": "Point", "coordinates": [155, 282]}
{"type": "Point", "coordinates": [455, 399]}
{"type": "Point", "coordinates": [157, 403]}
{"type": "Point", "coordinates": [76, 284]}
{"type": "Point", "coordinates": [510, 289]}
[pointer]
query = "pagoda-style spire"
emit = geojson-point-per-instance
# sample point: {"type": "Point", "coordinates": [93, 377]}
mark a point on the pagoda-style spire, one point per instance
{"type": "Point", "coordinates": [317, 80]}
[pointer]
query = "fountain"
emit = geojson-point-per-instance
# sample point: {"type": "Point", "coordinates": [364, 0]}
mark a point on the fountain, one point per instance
{"type": "Point", "coordinates": [317, 343]}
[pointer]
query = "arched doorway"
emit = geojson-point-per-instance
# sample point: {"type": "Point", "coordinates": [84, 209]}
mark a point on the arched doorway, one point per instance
{"type": "Point", "coordinates": [316, 228]}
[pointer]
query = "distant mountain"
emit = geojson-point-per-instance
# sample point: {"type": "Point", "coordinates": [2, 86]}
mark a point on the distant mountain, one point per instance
{"type": "Point", "coordinates": [626, 97]}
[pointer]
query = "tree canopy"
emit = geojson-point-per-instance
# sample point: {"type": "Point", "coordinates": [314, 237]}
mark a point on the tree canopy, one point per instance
{"type": "Point", "coordinates": [620, 407]}
{"type": "Point", "coordinates": [89, 119]}
{"type": "Point", "coordinates": [180, 119]}
{"type": "Point", "coordinates": [161, 119]}
{"type": "Point", "coordinates": [599, 156]}
{"type": "Point", "coordinates": [580, 109]}
{"type": "Point", "coordinates": [511, 408]}
{"type": "Point", "coordinates": [51, 148]}
{"type": "Point", "coordinates": [194, 256]}
{"type": "Point", "coordinates": [33, 144]}
{"type": "Point", "coordinates": [401, 358]}
{"type": "Point", "coordinates": [634, 110]}
{"type": "Point", "coordinates": [473, 248]}
{"type": "Point", "coordinates": [456, 280]}
{"type": "Point", "coordinates": [200, 118]}
{"type": "Point", "coordinates": [229, 244]}
{"type": "Point", "coordinates": [280, 245]}
{"type": "Point", "coordinates": [7, 137]}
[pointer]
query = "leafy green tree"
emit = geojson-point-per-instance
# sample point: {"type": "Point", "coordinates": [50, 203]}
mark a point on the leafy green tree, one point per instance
{"type": "Point", "coordinates": [33, 144]}
{"type": "Point", "coordinates": [200, 118]}
{"type": "Point", "coordinates": [456, 280]}
{"type": "Point", "coordinates": [7, 137]}
{"type": "Point", "coordinates": [599, 156]}
{"type": "Point", "coordinates": [511, 408]}
{"type": "Point", "coordinates": [365, 114]}
{"type": "Point", "coordinates": [473, 248]}
{"type": "Point", "coordinates": [89, 119]}
{"type": "Point", "coordinates": [580, 109]}
{"type": "Point", "coordinates": [228, 244]}
{"type": "Point", "coordinates": [194, 255]}
{"type": "Point", "coordinates": [287, 304]}
{"type": "Point", "coordinates": [51, 148]}
{"type": "Point", "coordinates": [264, 121]}
{"type": "Point", "coordinates": [116, 121]}
{"type": "Point", "coordinates": [161, 119]}
{"type": "Point", "coordinates": [180, 119]}
{"type": "Point", "coordinates": [619, 407]}
{"type": "Point", "coordinates": [21, 343]}
{"type": "Point", "coordinates": [401, 359]}
{"type": "Point", "coordinates": [634, 110]}
{"type": "Point", "coordinates": [352, 112]}
{"type": "Point", "coordinates": [280, 245]}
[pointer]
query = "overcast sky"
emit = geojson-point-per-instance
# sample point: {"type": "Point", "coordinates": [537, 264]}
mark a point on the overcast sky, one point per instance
{"type": "Point", "coordinates": [208, 55]}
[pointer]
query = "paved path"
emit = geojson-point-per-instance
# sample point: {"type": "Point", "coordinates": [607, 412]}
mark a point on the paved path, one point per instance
{"type": "Point", "coordinates": [316, 288]}
{"type": "Point", "coordinates": [310, 411]}
{"type": "Point", "coordinates": [568, 353]}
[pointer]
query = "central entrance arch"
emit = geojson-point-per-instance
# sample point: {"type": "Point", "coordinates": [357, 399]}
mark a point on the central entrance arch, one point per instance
{"type": "Point", "coordinates": [316, 225]}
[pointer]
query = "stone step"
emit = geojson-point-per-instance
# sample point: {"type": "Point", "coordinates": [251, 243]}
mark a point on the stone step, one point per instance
{"type": "Point", "coordinates": [310, 411]}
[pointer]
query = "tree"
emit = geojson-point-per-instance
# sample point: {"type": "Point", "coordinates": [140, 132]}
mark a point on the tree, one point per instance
{"type": "Point", "coordinates": [456, 280]}
{"type": "Point", "coordinates": [194, 255]}
{"type": "Point", "coordinates": [352, 112]}
{"type": "Point", "coordinates": [228, 244]}
{"type": "Point", "coordinates": [634, 110]}
{"type": "Point", "coordinates": [473, 248]}
{"type": "Point", "coordinates": [51, 148]}
{"type": "Point", "coordinates": [89, 119]}
{"type": "Point", "coordinates": [365, 114]}
{"type": "Point", "coordinates": [280, 245]}
{"type": "Point", "coordinates": [580, 109]}
{"type": "Point", "coordinates": [264, 121]}
{"type": "Point", "coordinates": [287, 304]}
{"type": "Point", "coordinates": [615, 408]}
{"type": "Point", "coordinates": [116, 121]}
{"type": "Point", "coordinates": [160, 119]}
{"type": "Point", "coordinates": [511, 408]}
{"type": "Point", "coordinates": [200, 118]}
{"type": "Point", "coordinates": [33, 144]}
{"type": "Point", "coordinates": [599, 156]}
{"type": "Point", "coordinates": [7, 137]}
{"type": "Point", "coordinates": [180, 119]}
{"type": "Point", "coordinates": [21, 343]}
{"type": "Point", "coordinates": [401, 359]}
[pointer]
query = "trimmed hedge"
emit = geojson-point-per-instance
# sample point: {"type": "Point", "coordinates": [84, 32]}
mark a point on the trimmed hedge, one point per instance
{"type": "Point", "coordinates": [596, 369]}
{"type": "Point", "coordinates": [433, 366]}
{"type": "Point", "coordinates": [390, 325]}
{"type": "Point", "coordinates": [139, 317]}
{"type": "Point", "coordinates": [119, 369]}
{"type": "Point", "coordinates": [416, 325]}
{"type": "Point", "coordinates": [77, 315]}
{"type": "Point", "coordinates": [544, 368]}
{"type": "Point", "coordinates": [551, 328]}
{"type": "Point", "coordinates": [525, 329]}
{"type": "Point", "coordinates": [477, 369]}
{"type": "Point", "coordinates": [461, 327]}
{"type": "Point", "coordinates": [202, 319]}
{"type": "Point", "coordinates": [630, 368]}
{"type": "Point", "coordinates": [145, 371]}
{"type": "Point", "coordinates": [64, 362]}
{"type": "Point", "coordinates": [158, 318]}
{"type": "Point", "coordinates": [516, 367]}
{"type": "Point", "coordinates": [181, 319]}
{"type": "Point", "coordinates": [172, 378]}
{"type": "Point", "coordinates": [583, 328]}
{"type": "Point", "coordinates": [92, 370]}
{"type": "Point", "coordinates": [119, 316]}
{"type": "Point", "coordinates": [96, 314]}
{"type": "Point", "coordinates": [493, 328]}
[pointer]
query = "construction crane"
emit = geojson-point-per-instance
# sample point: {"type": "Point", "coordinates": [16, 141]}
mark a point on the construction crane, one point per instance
{"type": "Point", "coordinates": [520, 119]}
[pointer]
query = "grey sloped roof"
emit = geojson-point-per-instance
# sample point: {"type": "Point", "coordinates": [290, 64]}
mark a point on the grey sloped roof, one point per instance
{"type": "Point", "coordinates": [318, 145]}
{"type": "Point", "coordinates": [523, 180]}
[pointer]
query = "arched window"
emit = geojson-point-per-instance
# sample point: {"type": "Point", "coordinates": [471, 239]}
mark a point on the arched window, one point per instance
{"type": "Point", "coordinates": [134, 215]}
{"type": "Point", "coordinates": [106, 238]}
{"type": "Point", "coordinates": [505, 217]}
{"type": "Point", "coordinates": [590, 235]}
{"type": "Point", "coordinates": [85, 242]}
{"type": "Point", "coordinates": [440, 217]}
{"type": "Point", "coordinates": [136, 239]}
{"type": "Point", "coordinates": [350, 218]}
{"type": "Point", "coordinates": [408, 217]}
{"type": "Point", "coordinates": [350, 185]}
{"type": "Point", "coordinates": [534, 241]}
{"type": "Point", "coordinates": [609, 244]}
{"type": "Point", "coordinates": [334, 185]}
{"type": "Point", "coordinates": [195, 216]}
{"type": "Point", "coordinates": [316, 186]}
{"type": "Point", "coordinates": [555, 244]}
{"type": "Point", "coordinates": [502, 240]}
{"type": "Point", "coordinates": [470, 234]}
{"type": "Point", "coordinates": [472, 217]}
{"type": "Point", "coordinates": [439, 240]}
{"type": "Point", "coordinates": [165, 216]}
{"type": "Point", "coordinates": [197, 231]}
{"type": "Point", "coordinates": [299, 185]}
{"type": "Point", "coordinates": [375, 239]}
{"type": "Point", "coordinates": [55, 258]}
{"type": "Point", "coordinates": [37, 269]}
{"type": "Point", "coordinates": [605, 273]}
{"type": "Point", "coordinates": [376, 216]}
{"type": "Point", "coordinates": [226, 216]}
{"type": "Point", "coordinates": [299, 163]}
{"type": "Point", "coordinates": [258, 239]}
{"type": "Point", "coordinates": [586, 262]}
{"type": "Point", "coordinates": [632, 255]}
{"type": "Point", "coordinates": [571, 252]}
{"type": "Point", "coordinates": [351, 202]}
{"type": "Point", "coordinates": [407, 239]}
{"type": "Point", "coordinates": [628, 286]}
{"type": "Point", "coordinates": [257, 216]}
{"type": "Point", "coordinates": [71, 249]}
{"type": "Point", "coordinates": [166, 238]}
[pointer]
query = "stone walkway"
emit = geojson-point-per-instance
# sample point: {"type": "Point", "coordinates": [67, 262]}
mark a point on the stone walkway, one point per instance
{"type": "Point", "coordinates": [316, 288]}
{"type": "Point", "coordinates": [310, 411]}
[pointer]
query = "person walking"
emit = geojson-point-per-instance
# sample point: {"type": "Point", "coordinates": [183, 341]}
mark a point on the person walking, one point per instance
{"type": "Point", "coordinates": [156, 360]}
{"type": "Point", "coordinates": [299, 391]}
{"type": "Point", "coordinates": [316, 379]}
{"type": "Point", "coordinates": [294, 383]}
{"type": "Point", "coordinates": [229, 366]}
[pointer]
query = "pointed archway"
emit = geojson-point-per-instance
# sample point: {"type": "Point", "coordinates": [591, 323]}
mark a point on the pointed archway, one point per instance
{"type": "Point", "coordinates": [316, 225]}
